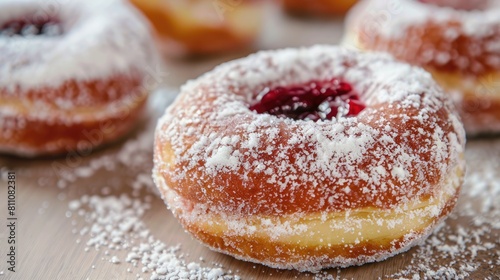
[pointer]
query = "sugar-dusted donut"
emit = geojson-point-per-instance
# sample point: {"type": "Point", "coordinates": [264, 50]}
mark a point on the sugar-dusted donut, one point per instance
{"type": "Point", "coordinates": [457, 41]}
{"type": "Point", "coordinates": [252, 161]}
{"type": "Point", "coordinates": [200, 27]}
{"type": "Point", "coordinates": [72, 76]}
{"type": "Point", "coordinates": [318, 7]}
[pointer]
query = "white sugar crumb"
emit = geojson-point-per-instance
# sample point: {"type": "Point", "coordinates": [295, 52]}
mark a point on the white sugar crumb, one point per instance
{"type": "Point", "coordinates": [74, 205]}
{"type": "Point", "coordinates": [223, 157]}
{"type": "Point", "coordinates": [398, 172]}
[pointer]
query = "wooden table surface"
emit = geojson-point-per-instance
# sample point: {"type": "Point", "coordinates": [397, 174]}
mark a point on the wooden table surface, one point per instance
{"type": "Point", "coordinates": [51, 243]}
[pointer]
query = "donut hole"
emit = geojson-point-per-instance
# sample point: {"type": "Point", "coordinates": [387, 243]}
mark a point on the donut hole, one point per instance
{"type": "Point", "coordinates": [314, 100]}
{"type": "Point", "coordinates": [31, 26]}
{"type": "Point", "coordinates": [464, 5]}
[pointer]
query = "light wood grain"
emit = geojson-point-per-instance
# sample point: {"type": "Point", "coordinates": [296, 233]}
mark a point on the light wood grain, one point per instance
{"type": "Point", "coordinates": [47, 247]}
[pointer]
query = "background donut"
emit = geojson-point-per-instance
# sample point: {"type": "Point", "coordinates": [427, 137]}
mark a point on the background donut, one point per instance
{"type": "Point", "coordinates": [457, 41]}
{"type": "Point", "coordinates": [318, 7]}
{"type": "Point", "coordinates": [70, 79]}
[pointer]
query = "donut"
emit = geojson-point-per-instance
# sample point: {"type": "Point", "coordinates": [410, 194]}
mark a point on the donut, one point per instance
{"type": "Point", "coordinates": [457, 41]}
{"type": "Point", "coordinates": [253, 163]}
{"type": "Point", "coordinates": [200, 27]}
{"type": "Point", "coordinates": [318, 7]}
{"type": "Point", "coordinates": [72, 77]}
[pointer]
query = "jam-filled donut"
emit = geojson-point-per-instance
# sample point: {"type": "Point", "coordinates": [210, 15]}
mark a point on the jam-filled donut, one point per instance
{"type": "Point", "coordinates": [457, 41]}
{"type": "Point", "coordinates": [199, 27]}
{"type": "Point", "coordinates": [318, 7]}
{"type": "Point", "coordinates": [310, 158]}
{"type": "Point", "coordinates": [71, 78]}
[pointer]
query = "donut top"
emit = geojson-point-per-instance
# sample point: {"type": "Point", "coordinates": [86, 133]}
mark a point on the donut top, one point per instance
{"type": "Point", "coordinates": [82, 41]}
{"type": "Point", "coordinates": [230, 158]}
{"type": "Point", "coordinates": [452, 35]}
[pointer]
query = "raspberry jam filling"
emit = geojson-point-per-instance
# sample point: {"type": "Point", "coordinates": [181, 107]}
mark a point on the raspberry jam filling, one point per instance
{"type": "Point", "coordinates": [315, 100]}
{"type": "Point", "coordinates": [25, 28]}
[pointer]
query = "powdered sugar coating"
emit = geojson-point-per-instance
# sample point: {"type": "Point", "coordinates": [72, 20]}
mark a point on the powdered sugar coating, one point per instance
{"type": "Point", "coordinates": [458, 47]}
{"type": "Point", "coordinates": [91, 78]}
{"type": "Point", "coordinates": [407, 13]}
{"type": "Point", "coordinates": [101, 38]}
{"type": "Point", "coordinates": [285, 165]}
{"type": "Point", "coordinates": [115, 223]}
{"type": "Point", "coordinates": [463, 40]}
{"type": "Point", "coordinates": [295, 193]}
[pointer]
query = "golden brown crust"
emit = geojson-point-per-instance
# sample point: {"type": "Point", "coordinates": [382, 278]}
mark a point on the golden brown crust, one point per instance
{"type": "Point", "coordinates": [37, 137]}
{"type": "Point", "coordinates": [81, 93]}
{"type": "Point", "coordinates": [480, 112]}
{"type": "Point", "coordinates": [195, 36]}
{"type": "Point", "coordinates": [477, 99]}
{"type": "Point", "coordinates": [39, 125]}
{"type": "Point", "coordinates": [430, 39]}
{"type": "Point", "coordinates": [318, 7]}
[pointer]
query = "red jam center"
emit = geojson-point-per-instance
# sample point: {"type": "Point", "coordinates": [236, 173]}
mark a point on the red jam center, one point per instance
{"type": "Point", "coordinates": [25, 28]}
{"type": "Point", "coordinates": [315, 100]}
{"type": "Point", "coordinates": [466, 5]}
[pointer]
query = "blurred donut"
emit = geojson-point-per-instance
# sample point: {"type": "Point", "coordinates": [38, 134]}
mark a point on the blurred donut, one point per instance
{"type": "Point", "coordinates": [71, 78]}
{"type": "Point", "coordinates": [198, 27]}
{"type": "Point", "coordinates": [318, 7]}
{"type": "Point", "coordinates": [457, 41]}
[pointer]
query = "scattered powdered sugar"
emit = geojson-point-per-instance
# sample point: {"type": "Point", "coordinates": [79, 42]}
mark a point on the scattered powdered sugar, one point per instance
{"type": "Point", "coordinates": [137, 148]}
{"type": "Point", "coordinates": [454, 251]}
{"type": "Point", "coordinates": [135, 153]}
{"type": "Point", "coordinates": [115, 223]}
